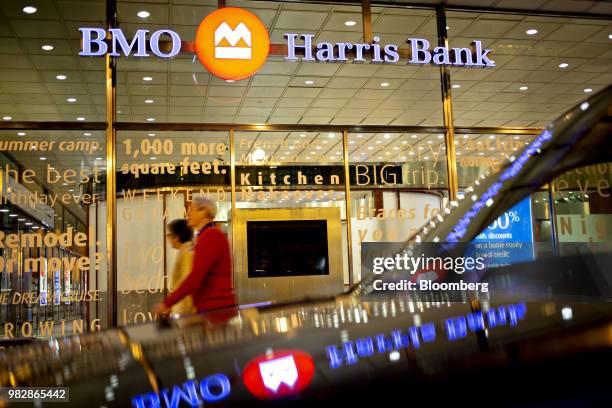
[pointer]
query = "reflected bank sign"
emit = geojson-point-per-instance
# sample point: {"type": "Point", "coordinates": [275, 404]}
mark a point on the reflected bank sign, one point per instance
{"type": "Point", "coordinates": [233, 43]}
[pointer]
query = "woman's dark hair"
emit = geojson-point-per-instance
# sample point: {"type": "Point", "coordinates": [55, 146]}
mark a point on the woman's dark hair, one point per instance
{"type": "Point", "coordinates": [180, 228]}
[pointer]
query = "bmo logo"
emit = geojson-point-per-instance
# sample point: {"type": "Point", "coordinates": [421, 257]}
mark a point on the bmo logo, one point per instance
{"type": "Point", "coordinates": [232, 43]}
{"type": "Point", "coordinates": [279, 374]}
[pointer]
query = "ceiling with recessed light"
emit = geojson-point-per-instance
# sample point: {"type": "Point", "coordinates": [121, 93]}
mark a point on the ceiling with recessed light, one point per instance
{"type": "Point", "coordinates": [180, 90]}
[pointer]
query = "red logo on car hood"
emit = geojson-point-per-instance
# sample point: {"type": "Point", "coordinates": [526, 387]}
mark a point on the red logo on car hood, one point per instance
{"type": "Point", "coordinates": [278, 374]}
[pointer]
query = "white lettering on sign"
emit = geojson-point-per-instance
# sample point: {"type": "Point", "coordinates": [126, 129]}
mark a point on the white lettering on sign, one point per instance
{"type": "Point", "coordinates": [94, 38]}
{"type": "Point", "coordinates": [95, 44]}
{"type": "Point", "coordinates": [376, 52]}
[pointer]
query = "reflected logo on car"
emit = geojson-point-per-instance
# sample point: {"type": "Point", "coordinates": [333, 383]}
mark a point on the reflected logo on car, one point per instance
{"type": "Point", "coordinates": [278, 374]}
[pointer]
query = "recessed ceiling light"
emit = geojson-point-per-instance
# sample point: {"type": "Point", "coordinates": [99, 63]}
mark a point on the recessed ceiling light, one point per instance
{"type": "Point", "coordinates": [414, 136]}
{"type": "Point", "coordinates": [147, 78]}
{"type": "Point", "coordinates": [4, 210]}
{"type": "Point", "coordinates": [61, 77]}
{"type": "Point", "coordinates": [352, 142]}
{"type": "Point", "coordinates": [405, 142]}
{"type": "Point", "coordinates": [309, 82]}
{"type": "Point", "coordinates": [43, 158]}
{"type": "Point", "coordinates": [378, 142]}
{"type": "Point", "coordinates": [379, 158]}
{"type": "Point", "coordinates": [302, 135]}
{"type": "Point", "coordinates": [563, 65]}
{"type": "Point", "coordinates": [150, 119]}
{"type": "Point", "coordinates": [523, 88]}
{"type": "Point", "coordinates": [350, 23]}
{"type": "Point", "coordinates": [455, 86]}
{"type": "Point", "coordinates": [396, 148]}
{"type": "Point", "coordinates": [360, 135]}
{"type": "Point", "coordinates": [98, 158]}
{"type": "Point", "coordinates": [387, 136]}
{"type": "Point", "coordinates": [71, 100]}
{"type": "Point", "coordinates": [7, 118]}
{"type": "Point", "coordinates": [370, 148]}
{"type": "Point", "coordinates": [13, 215]}
{"type": "Point", "coordinates": [610, 36]}
{"type": "Point", "coordinates": [291, 147]}
{"type": "Point", "coordinates": [143, 14]}
{"type": "Point", "coordinates": [150, 134]}
{"type": "Point", "coordinates": [71, 190]}
{"type": "Point", "coordinates": [149, 101]}
{"type": "Point", "coordinates": [587, 90]}
{"type": "Point", "coordinates": [447, 27]}
{"type": "Point", "coordinates": [440, 136]}
{"type": "Point", "coordinates": [384, 84]}
{"type": "Point", "coordinates": [87, 134]}
{"type": "Point", "coordinates": [331, 135]}
{"type": "Point", "coordinates": [307, 158]}
{"type": "Point", "coordinates": [21, 133]}
{"type": "Point", "coordinates": [531, 31]}
{"type": "Point", "coordinates": [80, 118]}
{"type": "Point", "coordinates": [21, 219]}
{"type": "Point", "coordinates": [491, 137]}
{"type": "Point", "coordinates": [584, 106]}
{"type": "Point", "coordinates": [47, 47]}
{"type": "Point", "coordinates": [29, 9]}
{"type": "Point", "coordinates": [153, 158]}
{"type": "Point", "coordinates": [231, 81]}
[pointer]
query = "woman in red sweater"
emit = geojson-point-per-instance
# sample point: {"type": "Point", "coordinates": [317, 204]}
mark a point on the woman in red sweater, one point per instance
{"type": "Point", "coordinates": [210, 282]}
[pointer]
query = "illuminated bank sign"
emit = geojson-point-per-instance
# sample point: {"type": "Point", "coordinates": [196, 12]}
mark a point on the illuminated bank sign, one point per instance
{"type": "Point", "coordinates": [233, 44]}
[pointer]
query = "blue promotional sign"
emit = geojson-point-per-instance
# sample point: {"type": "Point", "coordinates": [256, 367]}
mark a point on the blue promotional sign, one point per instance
{"type": "Point", "coordinates": [509, 239]}
{"type": "Point", "coordinates": [58, 288]}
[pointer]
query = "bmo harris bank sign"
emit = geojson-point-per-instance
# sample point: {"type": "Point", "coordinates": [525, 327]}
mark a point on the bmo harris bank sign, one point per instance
{"type": "Point", "coordinates": [233, 43]}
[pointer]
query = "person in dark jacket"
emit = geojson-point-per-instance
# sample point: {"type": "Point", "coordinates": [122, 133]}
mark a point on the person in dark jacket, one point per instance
{"type": "Point", "coordinates": [210, 282]}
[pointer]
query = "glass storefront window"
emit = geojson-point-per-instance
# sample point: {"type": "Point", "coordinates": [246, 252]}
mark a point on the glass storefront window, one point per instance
{"type": "Point", "coordinates": [582, 204]}
{"type": "Point", "coordinates": [289, 181]}
{"type": "Point", "coordinates": [398, 182]}
{"type": "Point", "coordinates": [480, 154]}
{"type": "Point", "coordinates": [158, 175]}
{"type": "Point", "coordinates": [53, 272]}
